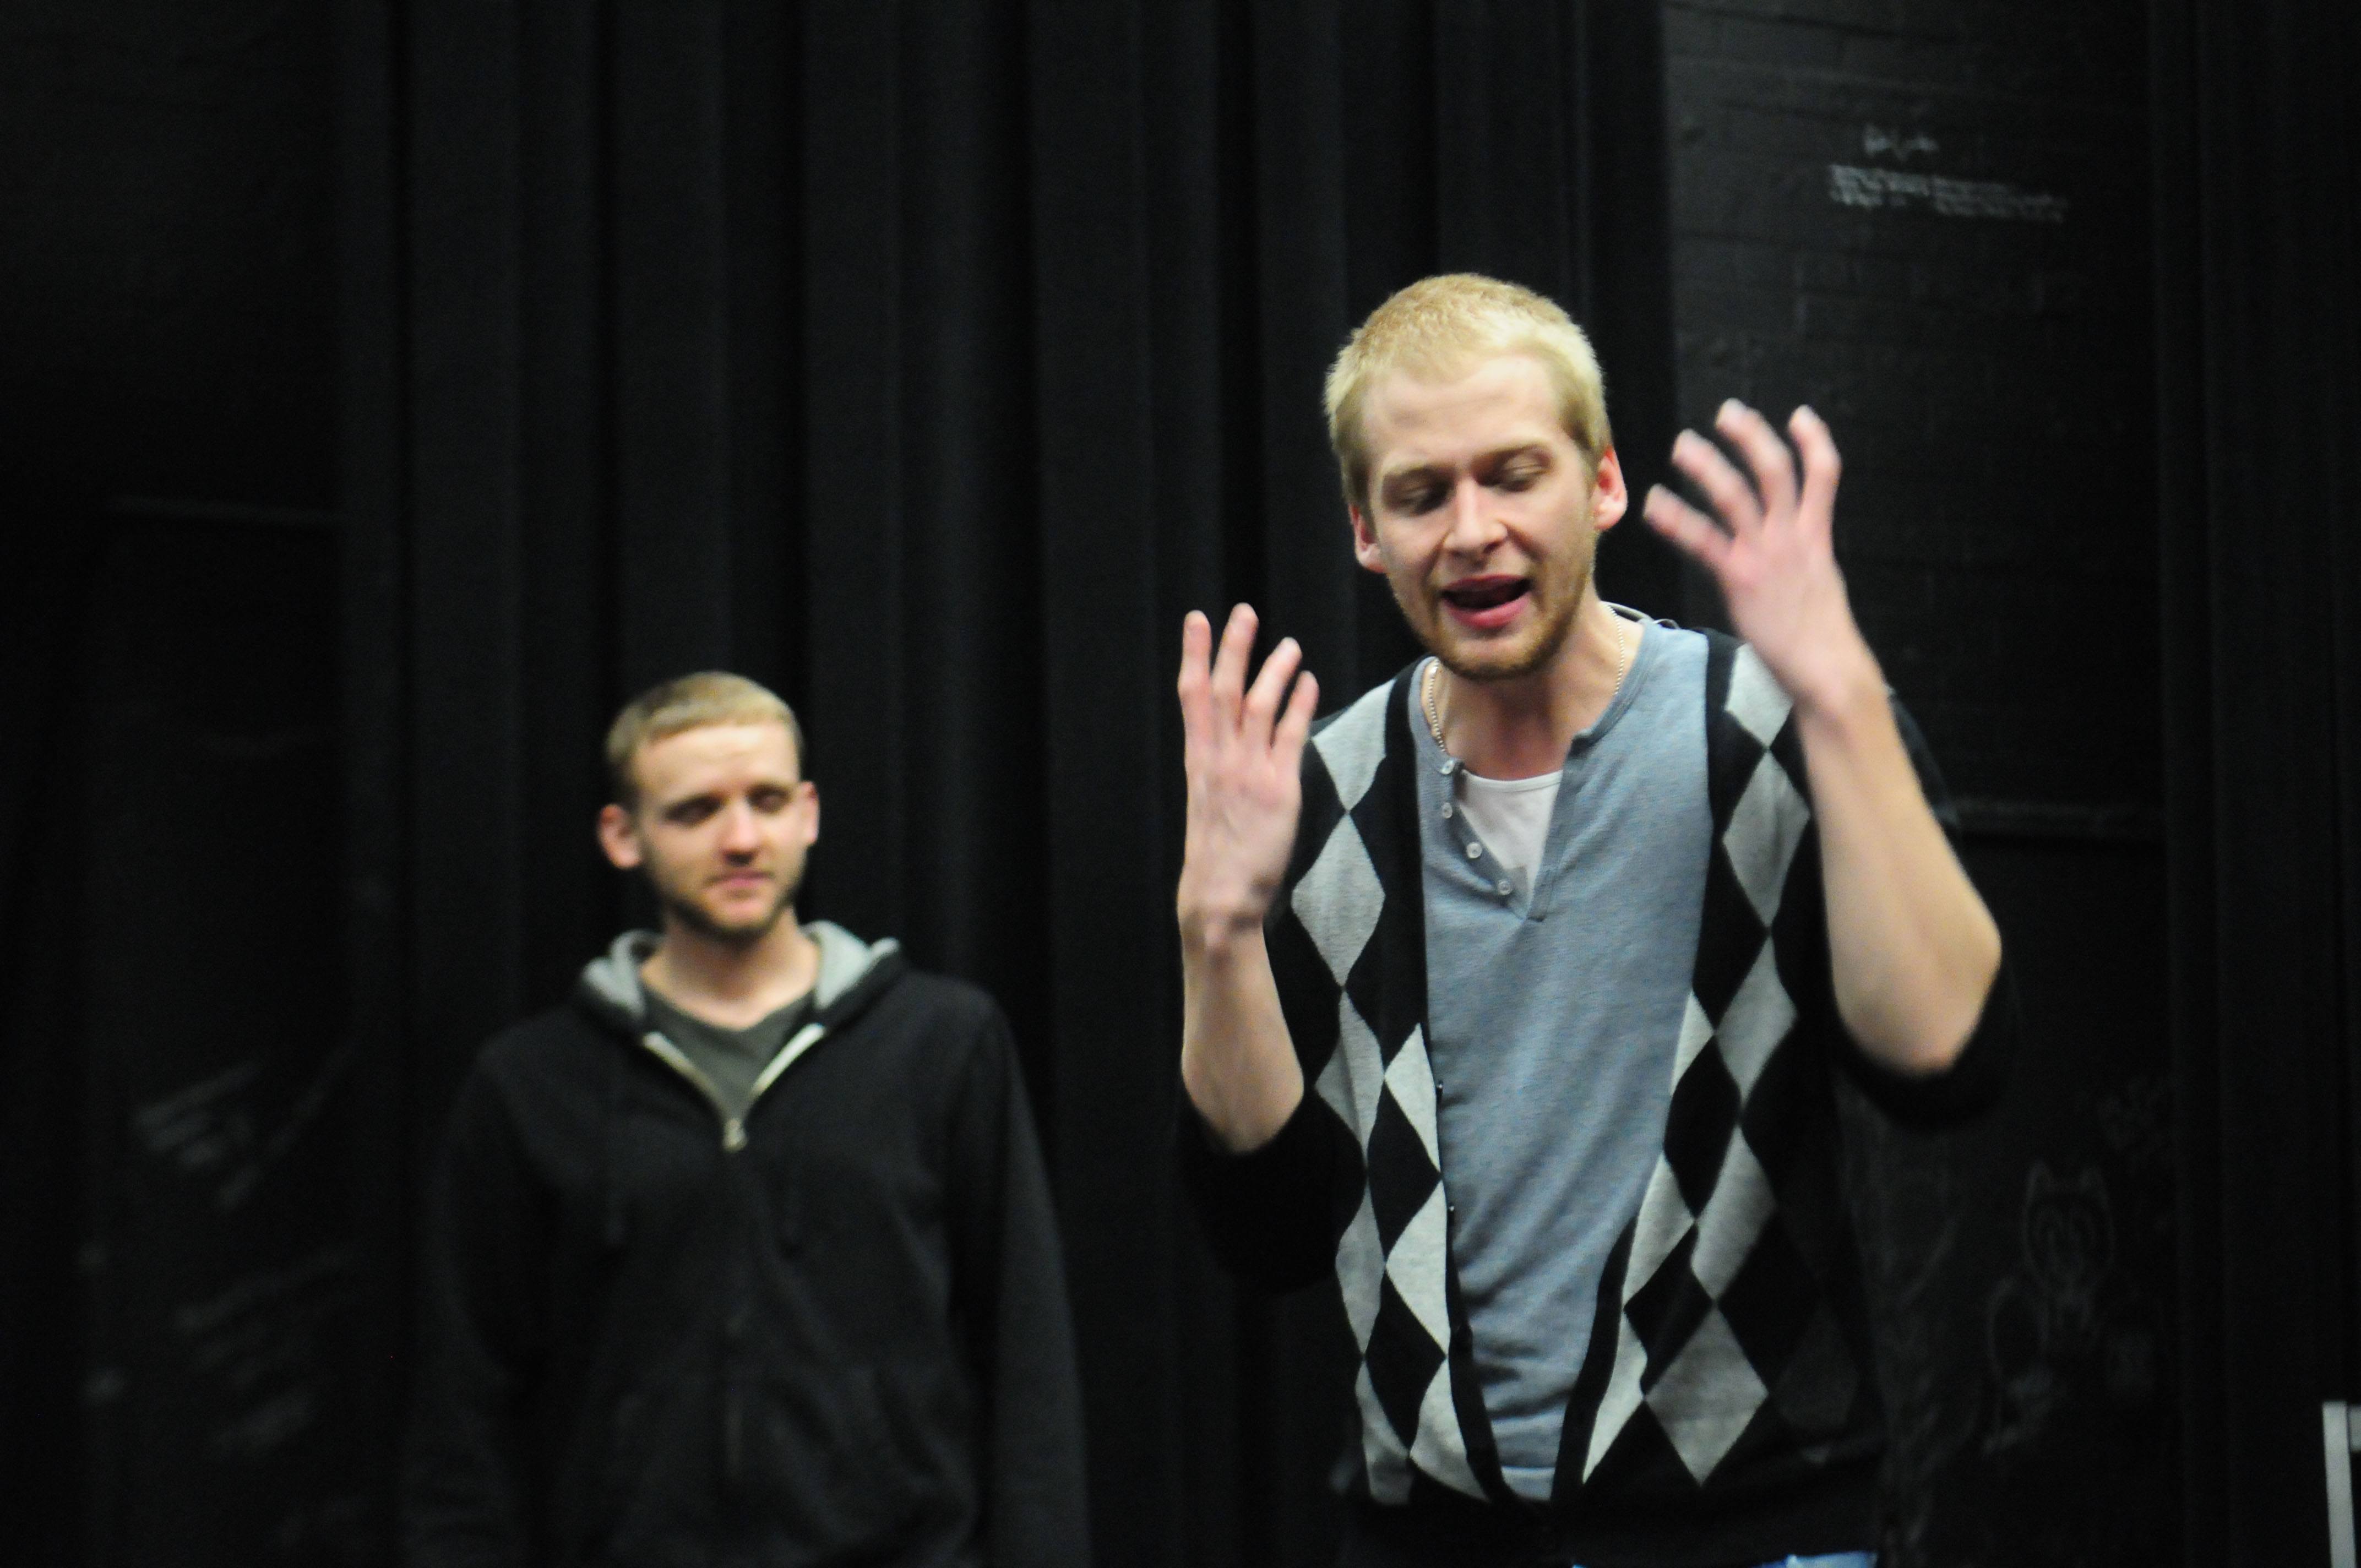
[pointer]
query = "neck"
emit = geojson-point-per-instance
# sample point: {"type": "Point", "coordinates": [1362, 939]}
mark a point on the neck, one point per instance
{"type": "Point", "coordinates": [732, 983]}
{"type": "Point", "coordinates": [1523, 727]}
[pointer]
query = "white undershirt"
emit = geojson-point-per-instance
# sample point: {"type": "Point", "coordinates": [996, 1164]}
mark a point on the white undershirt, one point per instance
{"type": "Point", "coordinates": [1513, 817]}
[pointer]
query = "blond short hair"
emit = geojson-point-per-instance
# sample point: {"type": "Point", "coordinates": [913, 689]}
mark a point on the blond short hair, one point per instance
{"type": "Point", "coordinates": [1437, 329]}
{"type": "Point", "coordinates": [691, 702]}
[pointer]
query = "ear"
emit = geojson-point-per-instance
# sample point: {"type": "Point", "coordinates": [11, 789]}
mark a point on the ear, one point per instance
{"type": "Point", "coordinates": [619, 837]}
{"type": "Point", "coordinates": [1366, 549]}
{"type": "Point", "coordinates": [810, 793]}
{"type": "Point", "coordinates": [1608, 499]}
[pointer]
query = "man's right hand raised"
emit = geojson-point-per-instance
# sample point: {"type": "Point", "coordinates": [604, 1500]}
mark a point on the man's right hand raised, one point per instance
{"type": "Point", "coordinates": [1244, 751]}
{"type": "Point", "coordinates": [1243, 756]}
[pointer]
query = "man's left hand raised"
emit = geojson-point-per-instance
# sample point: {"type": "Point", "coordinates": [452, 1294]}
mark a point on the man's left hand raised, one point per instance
{"type": "Point", "coordinates": [1913, 951]}
{"type": "Point", "coordinates": [1772, 552]}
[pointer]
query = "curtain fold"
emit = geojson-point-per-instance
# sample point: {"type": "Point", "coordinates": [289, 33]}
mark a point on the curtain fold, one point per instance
{"type": "Point", "coordinates": [2258, 195]}
{"type": "Point", "coordinates": [928, 361]}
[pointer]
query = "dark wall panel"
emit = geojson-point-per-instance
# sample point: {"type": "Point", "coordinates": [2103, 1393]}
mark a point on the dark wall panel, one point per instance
{"type": "Point", "coordinates": [180, 1272]}
{"type": "Point", "coordinates": [221, 1274]}
{"type": "Point", "coordinates": [1929, 221]}
{"type": "Point", "coordinates": [2022, 1269]}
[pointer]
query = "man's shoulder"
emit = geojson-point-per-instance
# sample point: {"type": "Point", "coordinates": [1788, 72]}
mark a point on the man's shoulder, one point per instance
{"type": "Point", "coordinates": [547, 1070]}
{"type": "Point", "coordinates": [935, 1015]}
{"type": "Point", "coordinates": [1368, 708]}
{"type": "Point", "coordinates": [1348, 744]}
{"type": "Point", "coordinates": [558, 1041]}
{"type": "Point", "coordinates": [943, 999]}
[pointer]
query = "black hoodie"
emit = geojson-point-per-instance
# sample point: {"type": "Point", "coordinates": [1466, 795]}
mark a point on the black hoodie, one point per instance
{"type": "Point", "coordinates": [836, 1333]}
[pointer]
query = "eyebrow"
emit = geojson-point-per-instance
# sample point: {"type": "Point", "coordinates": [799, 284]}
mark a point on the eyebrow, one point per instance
{"type": "Point", "coordinates": [759, 786]}
{"type": "Point", "coordinates": [1496, 454]}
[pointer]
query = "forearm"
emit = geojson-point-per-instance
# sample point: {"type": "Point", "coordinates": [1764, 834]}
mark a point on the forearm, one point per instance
{"type": "Point", "coordinates": [1237, 1062]}
{"type": "Point", "coordinates": [1912, 948]}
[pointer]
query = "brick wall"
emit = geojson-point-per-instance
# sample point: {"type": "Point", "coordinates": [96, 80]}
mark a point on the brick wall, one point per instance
{"type": "Point", "coordinates": [1930, 222]}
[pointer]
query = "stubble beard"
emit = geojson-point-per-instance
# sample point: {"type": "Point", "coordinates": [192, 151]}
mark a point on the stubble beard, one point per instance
{"type": "Point", "coordinates": [1486, 662]}
{"type": "Point", "coordinates": [695, 917]}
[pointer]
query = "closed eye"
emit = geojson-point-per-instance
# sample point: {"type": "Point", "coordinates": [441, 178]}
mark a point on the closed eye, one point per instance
{"type": "Point", "coordinates": [1518, 470]}
{"type": "Point", "coordinates": [1412, 495]}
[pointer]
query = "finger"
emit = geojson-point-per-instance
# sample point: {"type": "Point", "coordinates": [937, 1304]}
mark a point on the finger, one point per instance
{"type": "Point", "coordinates": [1765, 454]}
{"type": "Point", "coordinates": [1230, 666]}
{"type": "Point", "coordinates": [1686, 527]}
{"type": "Point", "coordinates": [1723, 485]}
{"type": "Point", "coordinates": [1822, 468]}
{"type": "Point", "coordinates": [1270, 684]}
{"type": "Point", "coordinates": [1287, 741]}
{"type": "Point", "coordinates": [1196, 650]}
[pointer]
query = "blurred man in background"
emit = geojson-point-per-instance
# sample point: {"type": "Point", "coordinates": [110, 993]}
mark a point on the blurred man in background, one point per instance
{"type": "Point", "coordinates": [744, 1254]}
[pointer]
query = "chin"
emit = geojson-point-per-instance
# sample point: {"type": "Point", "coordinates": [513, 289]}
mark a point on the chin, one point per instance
{"type": "Point", "coordinates": [1500, 658]}
{"type": "Point", "coordinates": [744, 931]}
{"type": "Point", "coordinates": [1487, 661]}
{"type": "Point", "coordinates": [1504, 655]}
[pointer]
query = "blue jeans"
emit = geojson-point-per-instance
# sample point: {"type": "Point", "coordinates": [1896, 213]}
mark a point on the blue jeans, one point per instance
{"type": "Point", "coordinates": [1829, 1559]}
{"type": "Point", "coordinates": [1826, 1560]}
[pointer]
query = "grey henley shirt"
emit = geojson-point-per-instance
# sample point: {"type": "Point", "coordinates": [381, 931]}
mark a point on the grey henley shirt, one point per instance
{"type": "Point", "coordinates": [1553, 1021]}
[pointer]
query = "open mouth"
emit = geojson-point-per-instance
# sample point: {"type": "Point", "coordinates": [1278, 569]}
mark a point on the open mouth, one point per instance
{"type": "Point", "coordinates": [1488, 602]}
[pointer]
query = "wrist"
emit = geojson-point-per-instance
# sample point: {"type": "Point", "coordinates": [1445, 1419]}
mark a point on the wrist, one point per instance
{"type": "Point", "coordinates": [1841, 688]}
{"type": "Point", "coordinates": [1219, 930]}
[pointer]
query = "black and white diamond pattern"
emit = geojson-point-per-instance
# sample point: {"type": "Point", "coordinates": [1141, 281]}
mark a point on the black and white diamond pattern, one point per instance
{"type": "Point", "coordinates": [1718, 1344]}
{"type": "Point", "coordinates": [1394, 1260]}
{"type": "Point", "coordinates": [1693, 1358]}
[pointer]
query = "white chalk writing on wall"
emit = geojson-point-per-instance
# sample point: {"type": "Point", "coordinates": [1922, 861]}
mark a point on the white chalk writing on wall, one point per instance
{"type": "Point", "coordinates": [1877, 141]}
{"type": "Point", "coordinates": [1849, 185]}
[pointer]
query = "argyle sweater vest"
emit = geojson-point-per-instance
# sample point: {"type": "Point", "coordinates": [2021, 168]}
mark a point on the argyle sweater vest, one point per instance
{"type": "Point", "coordinates": [1728, 1375]}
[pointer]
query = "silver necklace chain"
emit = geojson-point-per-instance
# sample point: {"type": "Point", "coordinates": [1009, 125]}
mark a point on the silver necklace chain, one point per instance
{"type": "Point", "coordinates": [1623, 668]}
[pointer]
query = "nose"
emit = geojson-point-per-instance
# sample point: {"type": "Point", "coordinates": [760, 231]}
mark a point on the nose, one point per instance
{"type": "Point", "coordinates": [738, 833]}
{"type": "Point", "coordinates": [1473, 529]}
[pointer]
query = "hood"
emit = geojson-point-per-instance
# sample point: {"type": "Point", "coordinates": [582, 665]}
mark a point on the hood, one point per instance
{"type": "Point", "coordinates": [852, 972]}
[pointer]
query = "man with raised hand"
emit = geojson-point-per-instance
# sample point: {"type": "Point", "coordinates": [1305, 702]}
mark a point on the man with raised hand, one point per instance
{"type": "Point", "coordinates": [745, 1254]}
{"type": "Point", "coordinates": [1514, 992]}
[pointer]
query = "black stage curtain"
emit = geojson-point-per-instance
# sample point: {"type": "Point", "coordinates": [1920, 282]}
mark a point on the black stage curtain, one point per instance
{"type": "Point", "coordinates": [927, 360]}
{"type": "Point", "coordinates": [47, 565]}
{"type": "Point", "coordinates": [2260, 193]}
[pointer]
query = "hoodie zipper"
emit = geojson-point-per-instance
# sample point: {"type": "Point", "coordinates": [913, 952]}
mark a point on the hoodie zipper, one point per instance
{"type": "Point", "coordinates": [733, 1128]}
